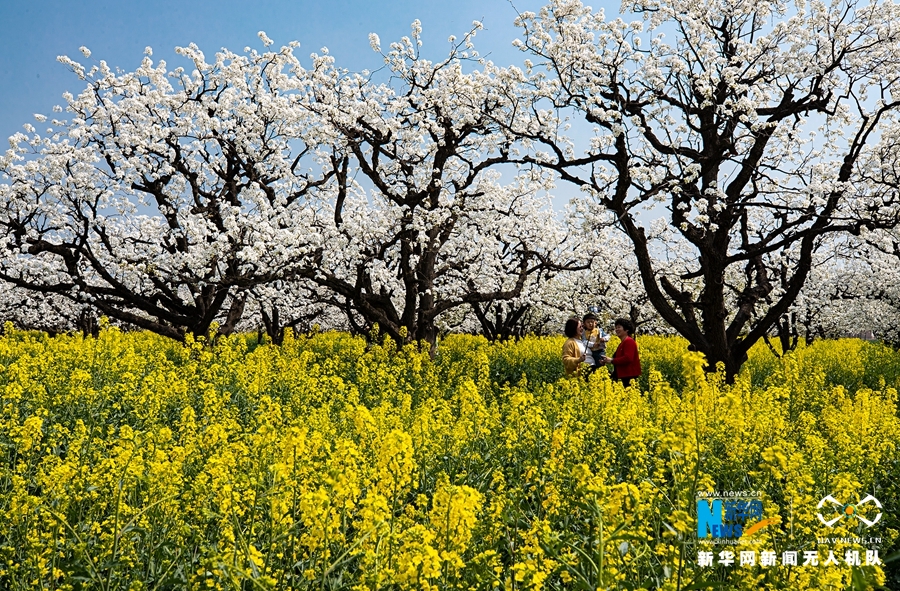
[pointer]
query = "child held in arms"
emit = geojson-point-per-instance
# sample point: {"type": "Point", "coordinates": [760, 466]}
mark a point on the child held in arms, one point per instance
{"type": "Point", "coordinates": [594, 338]}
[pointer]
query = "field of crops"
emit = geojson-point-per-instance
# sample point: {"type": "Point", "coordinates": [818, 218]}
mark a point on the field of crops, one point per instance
{"type": "Point", "coordinates": [133, 462]}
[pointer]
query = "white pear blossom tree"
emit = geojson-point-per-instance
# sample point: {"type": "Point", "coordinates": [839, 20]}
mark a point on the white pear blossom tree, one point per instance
{"type": "Point", "coordinates": [753, 128]}
{"type": "Point", "coordinates": [165, 195]}
{"type": "Point", "coordinates": [50, 313]}
{"type": "Point", "coordinates": [299, 305]}
{"type": "Point", "coordinates": [869, 280]}
{"type": "Point", "coordinates": [426, 218]}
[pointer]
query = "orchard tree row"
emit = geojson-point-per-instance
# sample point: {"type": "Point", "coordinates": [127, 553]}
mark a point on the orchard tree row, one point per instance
{"type": "Point", "coordinates": [735, 165]}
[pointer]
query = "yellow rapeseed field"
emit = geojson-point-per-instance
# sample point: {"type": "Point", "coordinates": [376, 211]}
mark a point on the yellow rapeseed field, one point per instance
{"type": "Point", "coordinates": [133, 462]}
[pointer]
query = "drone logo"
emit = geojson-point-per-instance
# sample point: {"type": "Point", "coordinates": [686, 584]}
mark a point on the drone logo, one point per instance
{"type": "Point", "coordinates": [848, 511]}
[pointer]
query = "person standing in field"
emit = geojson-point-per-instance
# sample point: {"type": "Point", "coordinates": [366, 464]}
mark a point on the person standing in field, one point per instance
{"type": "Point", "coordinates": [594, 338]}
{"type": "Point", "coordinates": [573, 351]}
{"type": "Point", "coordinates": [626, 362]}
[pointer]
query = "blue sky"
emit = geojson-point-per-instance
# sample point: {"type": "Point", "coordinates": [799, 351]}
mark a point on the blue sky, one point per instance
{"type": "Point", "coordinates": [33, 33]}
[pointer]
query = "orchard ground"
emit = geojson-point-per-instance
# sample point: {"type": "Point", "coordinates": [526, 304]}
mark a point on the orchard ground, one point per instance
{"type": "Point", "coordinates": [134, 462]}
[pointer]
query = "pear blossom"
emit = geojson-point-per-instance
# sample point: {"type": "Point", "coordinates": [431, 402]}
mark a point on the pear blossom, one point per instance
{"type": "Point", "coordinates": [756, 130]}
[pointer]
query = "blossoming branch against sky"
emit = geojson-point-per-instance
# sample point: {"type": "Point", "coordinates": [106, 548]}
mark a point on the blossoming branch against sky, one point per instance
{"type": "Point", "coordinates": [34, 33]}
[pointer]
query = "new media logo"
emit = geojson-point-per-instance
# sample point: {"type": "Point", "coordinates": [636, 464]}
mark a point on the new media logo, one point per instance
{"type": "Point", "coordinates": [727, 518]}
{"type": "Point", "coordinates": [849, 510]}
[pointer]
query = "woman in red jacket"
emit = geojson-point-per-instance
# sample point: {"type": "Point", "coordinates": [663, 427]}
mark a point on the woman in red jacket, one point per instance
{"type": "Point", "coordinates": [626, 363]}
